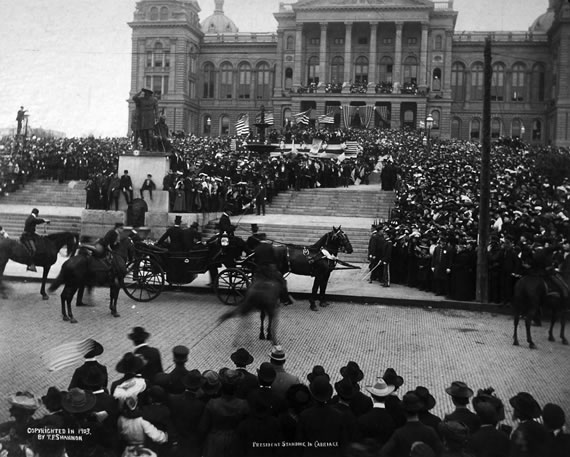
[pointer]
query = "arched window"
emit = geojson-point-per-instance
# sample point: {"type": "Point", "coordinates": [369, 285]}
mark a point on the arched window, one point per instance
{"type": "Point", "coordinates": [263, 73]}
{"type": "Point", "coordinates": [337, 70]}
{"type": "Point", "coordinates": [516, 128]}
{"type": "Point", "coordinates": [312, 65]}
{"type": "Point", "coordinates": [518, 85]}
{"type": "Point", "coordinates": [435, 114]}
{"type": "Point", "coordinates": [385, 68]}
{"type": "Point", "coordinates": [288, 78]}
{"type": "Point", "coordinates": [158, 56]}
{"type": "Point", "coordinates": [495, 128]}
{"type": "Point", "coordinates": [361, 70]}
{"type": "Point", "coordinates": [207, 125]}
{"type": "Point", "coordinates": [286, 117]}
{"type": "Point", "coordinates": [224, 125]}
{"type": "Point", "coordinates": [536, 130]}
{"type": "Point", "coordinates": [538, 83]}
{"type": "Point", "coordinates": [209, 81]}
{"type": "Point", "coordinates": [458, 82]}
{"type": "Point", "coordinates": [456, 128]}
{"type": "Point", "coordinates": [154, 13]}
{"type": "Point", "coordinates": [498, 82]}
{"type": "Point", "coordinates": [436, 79]}
{"type": "Point", "coordinates": [438, 45]}
{"type": "Point", "coordinates": [410, 70]}
{"type": "Point", "coordinates": [290, 43]}
{"type": "Point", "coordinates": [475, 130]}
{"type": "Point", "coordinates": [227, 80]}
{"type": "Point", "coordinates": [477, 81]}
{"type": "Point", "coordinates": [244, 77]}
{"type": "Point", "coordinates": [163, 13]}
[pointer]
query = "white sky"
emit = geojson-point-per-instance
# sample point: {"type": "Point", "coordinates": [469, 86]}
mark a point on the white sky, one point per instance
{"type": "Point", "coordinates": [68, 61]}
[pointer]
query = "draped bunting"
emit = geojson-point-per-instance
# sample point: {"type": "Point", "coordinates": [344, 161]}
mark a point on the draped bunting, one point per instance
{"type": "Point", "coordinates": [383, 113]}
{"type": "Point", "coordinates": [347, 113]}
{"type": "Point", "coordinates": [366, 115]}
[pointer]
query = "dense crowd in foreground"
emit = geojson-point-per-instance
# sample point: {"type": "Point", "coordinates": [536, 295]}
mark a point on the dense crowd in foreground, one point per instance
{"type": "Point", "coordinates": [234, 412]}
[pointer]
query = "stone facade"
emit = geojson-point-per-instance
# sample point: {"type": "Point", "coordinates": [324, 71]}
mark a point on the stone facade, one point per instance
{"type": "Point", "coordinates": [379, 63]}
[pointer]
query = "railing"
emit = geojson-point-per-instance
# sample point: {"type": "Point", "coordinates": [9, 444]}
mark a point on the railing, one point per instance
{"type": "Point", "coordinates": [383, 87]}
{"type": "Point", "coordinates": [443, 5]}
{"type": "Point", "coordinates": [476, 36]}
{"type": "Point", "coordinates": [265, 37]}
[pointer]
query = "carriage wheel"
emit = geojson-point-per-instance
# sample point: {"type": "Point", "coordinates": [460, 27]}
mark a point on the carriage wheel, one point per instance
{"type": "Point", "coordinates": [144, 280]}
{"type": "Point", "coordinates": [231, 285]}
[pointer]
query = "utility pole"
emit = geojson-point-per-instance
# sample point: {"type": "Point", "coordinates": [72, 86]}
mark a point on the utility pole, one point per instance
{"type": "Point", "coordinates": [482, 292]}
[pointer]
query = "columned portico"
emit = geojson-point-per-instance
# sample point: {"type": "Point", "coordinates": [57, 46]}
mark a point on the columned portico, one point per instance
{"type": "Point", "coordinates": [398, 53]}
{"type": "Point", "coordinates": [373, 53]}
{"type": "Point", "coordinates": [298, 63]}
{"type": "Point", "coordinates": [323, 54]}
{"type": "Point", "coordinates": [347, 51]}
{"type": "Point", "coordinates": [424, 55]}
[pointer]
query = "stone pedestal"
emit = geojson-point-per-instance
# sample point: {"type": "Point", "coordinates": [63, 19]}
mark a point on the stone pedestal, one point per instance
{"type": "Point", "coordinates": [95, 223]}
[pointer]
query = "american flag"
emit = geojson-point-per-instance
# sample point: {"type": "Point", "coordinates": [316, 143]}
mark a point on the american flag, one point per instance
{"type": "Point", "coordinates": [242, 125]}
{"type": "Point", "coordinates": [67, 354]}
{"type": "Point", "coordinates": [352, 148]}
{"type": "Point", "coordinates": [267, 119]}
{"type": "Point", "coordinates": [325, 119]}
{"type": "Point", "coordinates": [302, 118]}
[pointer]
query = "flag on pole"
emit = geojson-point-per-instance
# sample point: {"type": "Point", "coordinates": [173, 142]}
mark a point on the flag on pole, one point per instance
{"type": "Point", "coordinates": [302, 118]}
{"type": "Point", "coordinates": [325, 119]}
{"type": "Point", "coordinates": [269, 119]}
{"type": "Point", "coordinates": [242, 125]}
{"type": "Point", "coordinates": [67, 354]}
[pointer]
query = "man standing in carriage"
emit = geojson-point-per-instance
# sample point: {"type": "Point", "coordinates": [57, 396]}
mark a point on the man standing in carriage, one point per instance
{"type": "Point", "coordinates": [29, 236]}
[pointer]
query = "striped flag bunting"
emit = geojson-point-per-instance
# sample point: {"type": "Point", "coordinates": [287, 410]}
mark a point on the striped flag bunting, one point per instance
{"type": "Point", "coordinates": [325, 119]}
{"type": "Point", "coordinates": [302, 118]}
{"type": "Point", "coordinates": [352, 147]}
{"type": "Point", "coordinates": [368, 115]}
{"type": "Point", "coordinates": [242, 125]}
{"type": "Point", "coordinates": [67, 354]}
{"type": "Point", "coordinates": [267, 119]}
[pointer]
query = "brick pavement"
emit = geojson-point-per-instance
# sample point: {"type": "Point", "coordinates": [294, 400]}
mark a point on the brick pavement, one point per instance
{"type": "Point", "coordinates": [431, 347]}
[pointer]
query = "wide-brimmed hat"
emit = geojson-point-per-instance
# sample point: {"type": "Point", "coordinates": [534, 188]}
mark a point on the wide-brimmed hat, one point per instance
{"type": "Point", "coordinates": [459, 389]}
{"type": "Point", "coordinates": [130, 363]}
{"type": "Point", "coordinates": [180, 353]}
{"type": "Point", "coordinates": [352, 371]}
{"type": "Point", "coordinates": [96, 349]}
{"type": "Point", "coordinates": [298, 396]}
{"type": "Point", "coordinates": [131, 388]}
{"type": "Point", "coordinates": [77, 400]}
{"type": "Point", "coordinates": [392, 379]}
{"type": "Point", "coordinates": [456, 432]}
{"type": "Point", "coordinates": [229, 376]}
{"type": "Point", "coordinates": [138, 334]}
{"type": "Point", "coordinates": [241, 357]}
{"type": "Point", "coordinates": [526, 405]}
{"type": "Point", "coordinates": [266, 373]}
{"type": "Point", "coordinates": [425, 396]}
{"type": "Point", "coordinates": [412, 403]}
{"type": "Point", "coordinates": [318, 370]}
{"type": "Point", "coordinates": [52, 399]}
{"type": "Point", "coordinates": [321, 389]}
{"type": "Point", "coordinates": [380, 388]}
{"type": "Point", "coordinates": [212, 383]}
{"type": "Point", "coordinates": [553, 416]}
{"type": "Point", "coordinates": [488, 407]}
{"type": "Point", "coordinates": [193, 380]}
{"type": "Point", "coordinates": [277, 354]}
{"type": "Point", "coordinates": [345, 389]}
{"type": "Point", "coordinates": [24, 400]}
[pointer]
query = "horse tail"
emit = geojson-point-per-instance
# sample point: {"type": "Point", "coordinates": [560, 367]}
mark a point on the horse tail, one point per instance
{"type": "Point", "coordinates": [57, 281]}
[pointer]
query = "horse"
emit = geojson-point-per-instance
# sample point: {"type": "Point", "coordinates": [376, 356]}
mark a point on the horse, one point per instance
{"type": "Point", "coordinates": [262, 295]}
{"type": "Point", "coordinates": [535, 290]}
{"type": "Point", "coordinates": [312, 261]}
{"type": "Point", "coordinates": [47, 249]}
{"type": "Point", "coordinates": [85, 270]}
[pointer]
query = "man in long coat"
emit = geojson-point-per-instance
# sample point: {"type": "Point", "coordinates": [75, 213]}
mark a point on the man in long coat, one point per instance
{"type": "Point", "coordinates": [147, 115]}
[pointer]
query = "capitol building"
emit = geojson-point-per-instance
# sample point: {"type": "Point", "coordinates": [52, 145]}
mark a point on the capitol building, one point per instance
{"type": "Point", "coordinates": [368, 64]}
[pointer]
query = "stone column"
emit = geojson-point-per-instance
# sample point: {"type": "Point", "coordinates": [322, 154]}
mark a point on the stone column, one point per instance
{"type": "Point", "coordinates": [323, 64]}
{"type": "Point", "coordinates": [347, 51]}
{"type": "Point", "coordinates": [447, 63]}
{"type": "Point", "coordinates": [298, 63]}
{"type": "Point", "coordinates": [373, 54]}
{"type": "Point", "coordinates": [397, 77]}
{"type": "Point", "coordinates": [422, 80]}
{"type": "Point", "coordinates": [395, 115]}
{"type": "Point", "coordinates": [278, 77]}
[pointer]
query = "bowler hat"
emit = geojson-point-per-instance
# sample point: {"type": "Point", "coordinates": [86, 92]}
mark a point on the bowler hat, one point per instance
{"type": "Point", "coordinates": [298, 396]}
{"type": "Point", "coordinates": [345, 389]}
{"type": "Point", "coordinates": [96, 349]}
{"type": "Point", "coordinates": [425, 396]}
{"type": "Point", "coordinates": [77, 400]}
{"type": "Point", "coordinates": [35, 211]}
{"type": "Point", "coordinates": [241, 357]}
{"type": "Point", "coordinates": [526, 405]}
{"type": "Point", "coordinates": [459, 389]}
{"type": "Point", "coordinates": [119, 225]}
{"type": "Point", "coordinates": [212, 384]}
{"type": "Point", "coordinates": [277, 354]}
{"type": "Point", "coordinates": [52, 399]}
{"type": "Point", "coordinates": [553, 416]}
{"type": "Point", "coordinates": [352, 371]}
{"type": "Point", "coordinates": [266, 373]}
{"type": "Point", "coordinates": [180, 352]}
{"type": "Point", "coordinates": [24, 400]}
{"type": "Point", "coordinates": [488, 407]}
{"type": "Point", "coordinates": [392, 379]}
{"type": "Point", "coordinates": [318, 370]}
{"type": "Point", "coordinates": [380, 389]}
{"type": "Point", "coordinates": [130, 363]}
{"type": "Point", "coordinates": [193, 380]}
{"type": "Point", "coordinates": [138, 334]}
{"type": "Point", "coordinates": [321, 389]}
{"type": "Point", "coordinates": [453, 431]}
{"type": "Point", "coordinates": [412, 403]}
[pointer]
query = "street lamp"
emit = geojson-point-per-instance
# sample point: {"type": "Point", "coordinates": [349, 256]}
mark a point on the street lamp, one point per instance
{"type": "Point", "coordinates": [522, 132]}
{"type": "Point", "coordinates": [208, 125]}
{"type": "Point", "coordinates": [429, 125]}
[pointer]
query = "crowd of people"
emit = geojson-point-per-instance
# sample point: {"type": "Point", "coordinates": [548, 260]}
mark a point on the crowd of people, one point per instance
{"type": "Point", "coordinates": [268, 411]}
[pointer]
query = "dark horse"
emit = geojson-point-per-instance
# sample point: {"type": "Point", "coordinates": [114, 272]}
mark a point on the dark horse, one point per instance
{"type": "Point", "coordinates": [224, 250]}
{"type": "Point", "coordinates": [47, 248]}
{"type": "Point", "coordinates": [262, 295]}
{"type": "Point", "coordinates": [534, 291]}
{"type": "Point", "coordinates": [311, 261]}
{"type": "Point", "coordinates": [85, 270]}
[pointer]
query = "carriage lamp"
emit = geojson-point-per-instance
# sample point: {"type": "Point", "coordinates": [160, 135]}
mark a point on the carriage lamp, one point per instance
{"type": "Point", "coordinates": [225, 240]}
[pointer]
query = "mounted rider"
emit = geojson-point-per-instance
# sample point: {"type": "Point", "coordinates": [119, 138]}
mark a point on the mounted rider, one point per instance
{"type": "Point", "coordinates": [266, 268]}
{"type": "Point", "coordinates": [29, 235]}
{"type": "Point", "coordinates": [110, 241]}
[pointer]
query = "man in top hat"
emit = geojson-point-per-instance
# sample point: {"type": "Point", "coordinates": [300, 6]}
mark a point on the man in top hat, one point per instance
{"type": "Point", "coordinates": [360, 403]}
{"type": "Point", "coordinates": [148, 184]}
{"type": "Point", "coordinates": [377, 424]}
{"type": "Point", "coordinates": [29, 235]}
{"type": "Point", "coordinates": [191, 236]}
{"type": "Point", "coordinates": [175, 235]}
{"type": "Point", "coordinates": [179, 372]}
{"type": "Point", "coordinates": [530, 438]}
{"type": "Point", "coordinates": [90, 366]}
{"type": "Point", "coordinates": [147, 115]}
{"type": "Point", "coordinates": [255, 238]}
{"type": "Point", "coordinates": [150, 355]}
{"type": "Point", "coordinates": [248, 381]}
{"type": "Point", "coordinates": [225, 224]}
{"type": "Point", "coordinates": [460, 394]}
{"type": "Point", "coordinates": [283, 379]}
{"type": "Point", "coordinates": [401, 441]}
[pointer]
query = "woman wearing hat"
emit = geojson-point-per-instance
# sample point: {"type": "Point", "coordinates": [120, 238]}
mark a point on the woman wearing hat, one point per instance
{"type": "Point", "coordinates": [13, 434]}
{"type": "Point", "coordinates": [530, 438]}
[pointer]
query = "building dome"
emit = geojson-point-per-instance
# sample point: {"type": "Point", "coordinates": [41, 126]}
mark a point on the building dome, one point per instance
{"type": "Point", "coordinates": [543, 22]}
{"type": "Point", "coordinates": [218, 22]}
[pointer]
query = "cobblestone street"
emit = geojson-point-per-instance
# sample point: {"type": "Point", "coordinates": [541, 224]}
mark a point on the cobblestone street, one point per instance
{"type": "Point", "coordinates": [426, 346]}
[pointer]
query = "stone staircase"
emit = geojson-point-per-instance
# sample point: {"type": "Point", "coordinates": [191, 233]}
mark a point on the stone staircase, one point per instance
{"type": "Point", "coordinates": [45, 192]}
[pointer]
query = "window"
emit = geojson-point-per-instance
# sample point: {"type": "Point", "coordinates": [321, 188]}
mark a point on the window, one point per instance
{"type": "Point", "coordinates": [518, 86]}
{"type": "Point", "coordinates": [159, 85]}
{"type": "Point", "coordinates": [412, 41]}
{"type": "Point", "coordinates": [163, 13]}
{"type": "Point", "coordinates": [339, 40]}
{"type": "Point", "coordinates": [537, 83]}
{"type": "Point", "coordinates": [475, 131]}
{"type": "Point", "coordinates": [409, 118]}
{"type": "Point", "coordinates": [154, 13]}
{"type": "Point", "coordinates": [315, 40]}
{"type": "Point", "coordinates": [458, 82]}
{"type": "Point", "coordinates": [224, 125]}
{"type": "Point", "coordinates": [436, 117]}
{"type": "Point", "coordinates": [361, 70]}
{"type": "Point", "coordinates": [495, 129]}
{"type": "Point", "coordinates": [536, 130]}
{"type": "Point", "coordinates": [207, 125]}
{"type": "Point", "coordinates": [286, 117]}
{"type": "Point", "coordinates": [158, 57]}
{"type": "Point", "coordinates": [438, 45]}
{"type": "Point", "coordinates": [362, 40]}
{"type": "Point", "coordinates": [227, 82]}
{"type": "Point", "coordinates": [337, 69]}
{"type": "Point", "coordinates": [410, 70]}
{"type": "Point", "coordinates": [290, 43]}
{"type": "Point", "coordinates": [312, 66]}
{"type": "Point", "coordinates": [262, 90]}
{"type": "Point", "coordinates": [498, 83]}
{"type": "Point", "coordinates": [436, 79]}
{"type": "Point", "coordinates": [209, 80]}
{"type": "Point", "coordinates": [477, 81]}
{"type": "Point", "coordinates": [516, 128]}
{"type": "Point", "coordinates": [288, 78]}
{"type": "Point", "coordinates": [456, 128]}
{"type": "Point", "coordinates": [385, 69]}
{"type": "Point", "coordinates": [244, 77]}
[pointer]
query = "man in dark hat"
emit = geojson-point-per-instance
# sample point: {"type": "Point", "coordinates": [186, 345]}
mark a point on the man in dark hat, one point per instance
{"type": "Point", "coordinates": [530, 438]}
{"type": "Point", "coordinates": [225, 224]}
{"type": "Point", "coordinates": [150, 355]}
{"type": "Point", "coordinates": [392, 401]}
{"type": "Point", "coordinates": [255, 238]}
{"type": "Point", "coordinates": [248, 381]}
{"type": "Point", "coordinates": [127, 186]}
{"type": "Point", "coordinates": [20, 116]}
{"type": "Point", "coordinates": [179, 372]}
{"type": "Point", "coordinates": [266, 269]}
{"type": "Point", "coordinates": [110, 240]}
{"type": "Point", "coordinates": [404, 437]}
{"type": "Point", "coordinates": [428, 400]}
{"type": "Point", "coordinates": [554, 420]}
{"type": "Point", "coordinates": [488, 440]}
{"type": "Point", "coordinates": [90, 367]}
{"type": "Point", "coordinates": [341, 402]}
{"type": "Point", "coordinates": [175, 235]}
{"type": "Point", "coordinates": [360, 403]}
{"type": "Point", "coordinates": [146, 115]}
{"type": "Point", "coordinates": [192, 237]}
{"type": "Point", "coordinates": [29, 235]}
{"type": "Point", "coordinates": [460, 394]}
{"type": "Point", "coordinates": [374, 261]}
{"type": "Point", "coordinates": [148, 184]}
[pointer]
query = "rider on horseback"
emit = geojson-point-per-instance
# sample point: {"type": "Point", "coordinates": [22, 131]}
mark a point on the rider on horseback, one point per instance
{"type": "Point", "coordinates": [29, 236]}
{"type": "Point", "coordinates": [266, 268]}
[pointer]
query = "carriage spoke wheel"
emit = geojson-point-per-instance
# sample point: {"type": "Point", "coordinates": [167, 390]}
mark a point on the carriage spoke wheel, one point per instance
{"type": "Point", "coordinates": [231, 285]}
{"type": "Point", "coordinates": [144, 280]}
